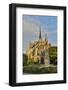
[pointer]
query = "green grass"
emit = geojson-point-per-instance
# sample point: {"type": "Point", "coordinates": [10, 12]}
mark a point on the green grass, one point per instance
{"type": "Point", "coordinates": [39, 69]}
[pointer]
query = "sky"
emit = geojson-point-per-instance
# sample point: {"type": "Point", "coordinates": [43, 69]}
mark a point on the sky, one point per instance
{"type": "Point", "coordinates": [31, 29]}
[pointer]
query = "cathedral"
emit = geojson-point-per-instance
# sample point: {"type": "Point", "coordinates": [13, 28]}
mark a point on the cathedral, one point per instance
{"type": "Point", "coordinates": [38, 51]}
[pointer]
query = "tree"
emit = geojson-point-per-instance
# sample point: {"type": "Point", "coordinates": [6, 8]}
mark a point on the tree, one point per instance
{"type": "Point", "coordinates": [25, 58]}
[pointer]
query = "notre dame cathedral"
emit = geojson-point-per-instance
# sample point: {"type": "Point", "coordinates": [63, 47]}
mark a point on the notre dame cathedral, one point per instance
{"type": "Point", "coordinates": [38, 51]}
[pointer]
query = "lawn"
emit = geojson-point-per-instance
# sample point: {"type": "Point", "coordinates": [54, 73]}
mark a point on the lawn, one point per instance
{"type": "Point", "coordinates": [39, 69]}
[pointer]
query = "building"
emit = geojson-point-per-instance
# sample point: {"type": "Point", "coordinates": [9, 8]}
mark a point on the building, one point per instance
{"type": "Point", "coordinates": [38, 51]}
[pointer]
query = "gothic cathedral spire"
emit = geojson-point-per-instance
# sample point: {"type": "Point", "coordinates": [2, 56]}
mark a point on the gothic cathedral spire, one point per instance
{"type": "Point", "coordinates": [40, 34]}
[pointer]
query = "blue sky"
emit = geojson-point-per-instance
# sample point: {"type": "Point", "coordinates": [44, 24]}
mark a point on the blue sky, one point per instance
{"type": "Point", "coordinates": [31, 28]}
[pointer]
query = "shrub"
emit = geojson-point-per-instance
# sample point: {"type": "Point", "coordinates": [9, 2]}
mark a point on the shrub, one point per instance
{"type": "Point", "coordinates": [53, 60]}
{"type": "Point", "coordinates": [25, 58]}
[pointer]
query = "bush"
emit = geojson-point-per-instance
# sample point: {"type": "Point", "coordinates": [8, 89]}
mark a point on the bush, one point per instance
{"type": "Point", "coordinates": [53, 60]}
{"type": "Point", "coordinates": [25, 58]}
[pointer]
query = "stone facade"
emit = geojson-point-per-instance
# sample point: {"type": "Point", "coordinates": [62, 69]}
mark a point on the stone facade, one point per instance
{"type": "Point", "coordinates": [38, 51]}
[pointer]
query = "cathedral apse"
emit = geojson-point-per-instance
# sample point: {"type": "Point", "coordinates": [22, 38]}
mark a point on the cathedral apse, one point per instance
{"type": "Point", "coordinates": [39, 44]}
